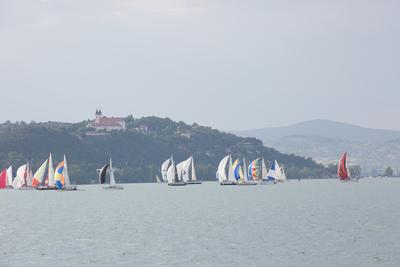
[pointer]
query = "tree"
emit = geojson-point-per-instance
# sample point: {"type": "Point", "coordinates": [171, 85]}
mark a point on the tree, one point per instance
{"type": "Point", "coordinates": [388, 172]}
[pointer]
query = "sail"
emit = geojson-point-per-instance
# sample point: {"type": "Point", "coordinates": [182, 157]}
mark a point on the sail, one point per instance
{"type": "Point", "coordinates": [272, 172]}
{"type": "Point", "coordinates": [254, 169]}
{"type": "Point", "coordinates": [343, 173]}
{"type": "Point", "coordinates": [67, 182]}
{"type": "Point", "coordinates": [236, 170]}
{"type": "Point", "coordinates": [158, 180]}
{"type": "Point", "coordinates": [164, 169]}
{"type": "Point", "coordinates": [186, 170]}
{"type": "Point", "coordinates": [264, 171]}
{"type": "Point", "coordinates": [193, 176]}
{"type": "Point", "coordinates": [245, 177]}
{"type": "Point", "coordinates": [19, 180]}
{"type": "Point", "coordinates": [103, 173]}
{"type": "Point", "coordinates": [3, 178]}
{"type": "Point", "coordinates": [171, 174]}
{"type": "Point", "coordinates": [283, 175]}
{"type": "Point", "coordinates": [9, 176]}
{"type": "Point", "coordinates": [231, 175]}
{"type": "Point", "coordinates": [221, 173]}
{"type": "Point", "coordinates": [112, 178]}
{"type": "Point", "coordinates": [29, 175]}
{"type": "Point", "coordinates": [50, 174]}
{"type": "Point", "coordinates": [180, 171]}
{"type": "Point", "coordinates": [59, 176]}
{"type": "Point", "coordinates": [39, 175]}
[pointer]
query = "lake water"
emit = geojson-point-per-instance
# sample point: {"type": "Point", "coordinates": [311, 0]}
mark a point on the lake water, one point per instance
{"type": "Point", "coordinates": [307, 223]}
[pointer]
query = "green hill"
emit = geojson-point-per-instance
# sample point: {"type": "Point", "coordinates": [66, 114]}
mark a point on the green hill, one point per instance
{"type": "Point", "coordinates": [138, 152]}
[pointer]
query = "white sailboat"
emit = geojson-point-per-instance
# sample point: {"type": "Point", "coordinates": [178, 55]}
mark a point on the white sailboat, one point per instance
{"type": "Point", "coordinates": [222, 177]}
{"type": "Point", "coordinates": [280, 173]}
{"type": "Point", "coordinates": [164, 169]}
{"type": "Point", "coordinates": [19, 181]}
{"type": "Point", "coordinates": [67, 183]}
{"type": "Point", "coordinates": [102, 177]}
{"type": "Point", "coordinates": [172, 176]}
{"type": "Point", "coordinates": [189, 172]}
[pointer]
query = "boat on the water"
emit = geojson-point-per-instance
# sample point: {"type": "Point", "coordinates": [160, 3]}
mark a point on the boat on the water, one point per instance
{"type": "Point", "coordinates": [280, 173]}
{"type": "Point", "coordinates": [241, 173]}
{"type": "Point", "coordinates": [102, 177]}
{"type": "Point", "coordinates": [344, 171]}
{"type": "Point", "coordinates": [164, 170]}
{"type": "Point", "coordinates": [222, 176]}
{"type": "Point", "coordinates": [188, 172]}
{"type": "Point", "coordinates": [173, 177]}
{"type": "Point", "coordinates": [49, 182]}
{"type": "Point", "coordinates": [62, 177]}
{"type": "Point", "coordinates": [21, 180]}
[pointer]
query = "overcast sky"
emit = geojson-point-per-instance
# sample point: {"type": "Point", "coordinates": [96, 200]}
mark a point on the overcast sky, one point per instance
{"type": "Point", "coordinates": [227, 64]}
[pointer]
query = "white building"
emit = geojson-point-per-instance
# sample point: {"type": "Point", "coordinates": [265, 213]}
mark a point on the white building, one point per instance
{"type": "Point", "coordinates": [103, 123]}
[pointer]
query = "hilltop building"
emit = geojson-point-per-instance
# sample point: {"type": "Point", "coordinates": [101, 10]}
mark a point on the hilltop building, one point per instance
{"type": "Point", "coordinates": [102, 123]}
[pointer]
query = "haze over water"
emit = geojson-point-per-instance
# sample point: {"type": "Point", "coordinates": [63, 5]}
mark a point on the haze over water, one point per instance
{"type": "Point", "coordinates": [307, 223]}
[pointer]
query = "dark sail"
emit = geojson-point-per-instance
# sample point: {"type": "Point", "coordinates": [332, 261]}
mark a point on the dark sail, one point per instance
{"type": "Point", "coordinates": [103, 173]}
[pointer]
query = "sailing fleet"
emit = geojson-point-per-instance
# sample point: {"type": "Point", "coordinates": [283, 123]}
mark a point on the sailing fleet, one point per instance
{"type": "Point", "coordinates": [229, 172]}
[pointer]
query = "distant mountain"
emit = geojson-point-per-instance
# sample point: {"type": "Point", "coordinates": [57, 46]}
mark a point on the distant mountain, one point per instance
{"type": "Point", "coordinates": [139, 151]}
{"type": "Point", "coordinates": [325, 140]}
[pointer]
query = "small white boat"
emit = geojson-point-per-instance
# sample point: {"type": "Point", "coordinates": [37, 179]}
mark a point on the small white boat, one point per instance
{"type": "Point", "coordinates": [173, 177]}
{"type": "Point", "coordinates": [188, 172]}
{"type": "Point", "coordinates": [164, 169]}
{"type": "Point", "coordinates": [102, 177]}
{"type": "Point", "coordinates": [222, 177]}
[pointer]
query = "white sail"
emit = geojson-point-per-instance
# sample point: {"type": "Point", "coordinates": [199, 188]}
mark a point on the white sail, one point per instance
{"type": "Point", "coordinates": [67, 182]}
{"type": "Point", "coordinates": [264, 171]}
{"type": "Point", "coordinates": [51, 181]}
{"type": "Point", "coordinates": [164, 169]}
{"type": "Point", "coordinates": [282, 174]}
{"type": "Point", "coordinates": [245, 177]}
{"type": "Point", "coordinates": [180, 171]}
{"type": "Point", "coordinates": [221, 173]}
{"type": "Point", "coordinates": [9, 176]}
{"type": "Point", "coordinates": [231, 175]}
{"type": "Point", "coordinates": [171, 173]}
{"type": "Point", "coordinates": [193, 170]}
{"type": "Point", "coordinates": [112, 178]}
{"type": "Point", "coordinates": [29, 175]}
{"type": "Point", "coordinates": [19, 180]}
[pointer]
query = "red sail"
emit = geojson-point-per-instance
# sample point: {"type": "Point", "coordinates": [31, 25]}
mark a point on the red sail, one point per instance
{"type": "Point", "coordinates": [3, 177]}
{"type": "Point", "coordinates": [342, 168]}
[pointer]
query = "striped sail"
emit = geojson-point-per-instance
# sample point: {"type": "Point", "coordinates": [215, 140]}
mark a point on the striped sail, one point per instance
{"type": "Point", "coordinates": [59, 175]}
{"type": "Point", "coordinates": [237, 171]}
{"type": "Point", "coordinates": [254, 170]}
{"type": "Point", "coordinates": [29, 176]}
{"type": "Point", "coordinates": [231, 175]}
{"type": "Point", "coordinates": [245, 177]}
{"type": "Point", "coordinates": [39, 175]}
{"type": "Point", "coordinates": [343, 172]}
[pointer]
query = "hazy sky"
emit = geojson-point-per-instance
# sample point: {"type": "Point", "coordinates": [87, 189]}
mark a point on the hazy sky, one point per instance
{"type": "Point", "coordinates": [228, 64]}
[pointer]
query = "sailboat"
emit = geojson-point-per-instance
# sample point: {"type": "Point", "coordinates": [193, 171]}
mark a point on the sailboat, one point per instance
{"type": "Point", "coordinates": [39, 175]}
{"type": "Point", "coordinates": [241, 173]}
{"type": "Point", "coordinates": [20, 181]}
{"type": "Point", "coordinates": [103, 174]}
{"type": "Point", "coordinates": [172, 176]}
{"type": "Point", "coordinates": [280, 173]}
{"type": "Point", "coordinates": [189, 172]}
{"type": "Point", "coordinates": [272, 175]}
{"type": "Point", "coordinates": [222, 177]}
{"type": "Point", "coordinates": [158, 179]}
{"type": "Point", "coordinates": [254, 171]}
{"type": "Point", "coordinates": [62, 177]}
{"type": "Point", "coordinates": [343, 170]}
{"type": "Point", "coordinates": [164, 169]}
{"type": "Point", "coordinates": [49, 181]}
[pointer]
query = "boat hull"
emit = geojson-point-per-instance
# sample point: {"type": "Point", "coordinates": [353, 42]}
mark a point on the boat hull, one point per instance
{"type": "Point", "coordinates": [113, 188]}
{"type": "Point", "coordinates": [245, 184]}
{"type": "Point", "coordinates": [193, 182]}
{"type": "Point", "coordinates": [227, 183]}
{"type": "Point", "coordinates": [46, 188]}
{"type": "Point", "coordinates": [177, 184]}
